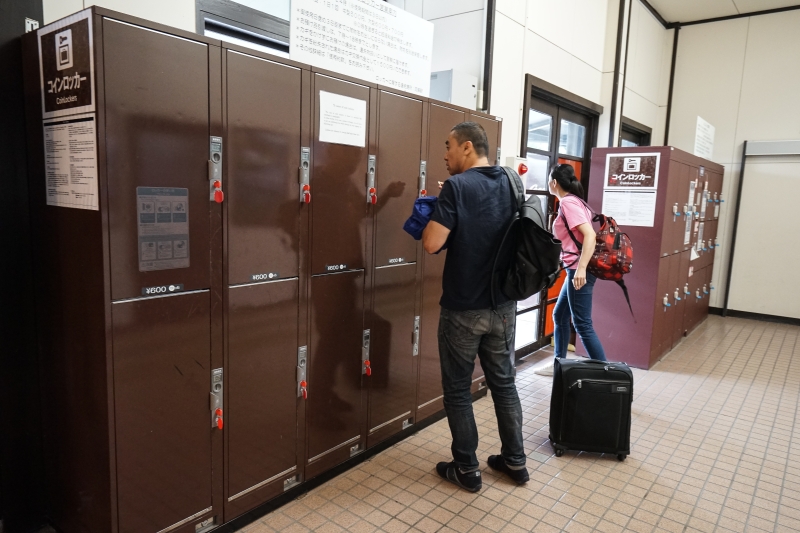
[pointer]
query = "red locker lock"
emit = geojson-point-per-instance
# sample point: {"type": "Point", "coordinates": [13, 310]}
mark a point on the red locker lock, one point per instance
{"type": "Point", "coordinates": [219, 196]}
{"type": "Point", "coordinates": [373, 198]}
{"type": "Point", "coordinates": [423, 192]}
{"type": "Point", "coordinates": [367, 368]}
{"type": "Point", "coordinates": [522, 169]}
{"type": "Point", "coordinates": [303, 390]}
{"type": "Point", "coordinates": [306, 194]}
{"type": "Point", "coordinates": [219, 420]}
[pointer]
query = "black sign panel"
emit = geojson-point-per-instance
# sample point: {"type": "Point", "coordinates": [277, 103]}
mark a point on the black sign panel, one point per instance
{"type": "Point", "coordinates": [65, 55]}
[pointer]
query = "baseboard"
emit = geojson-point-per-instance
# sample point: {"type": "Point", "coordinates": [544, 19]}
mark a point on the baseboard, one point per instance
{"type": "Point", "coordinates": [251, 516]}
{"type": "Point", "coordinates": [756, 316]}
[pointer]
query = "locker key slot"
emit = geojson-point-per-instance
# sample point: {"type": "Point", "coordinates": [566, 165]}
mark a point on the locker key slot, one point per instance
{"type": "Point", "coordinates": [215, 170]}
{"type": "Point", "coordinates": [216, 399]}
{"type": "Point", "coordinates": [415, 338]}
{"type": "Point", "coordinates": [305, 182]}
{"type": "Point", "coordinates": [372, 193]}
{"type": "Point", "coordinates": [366, 367]}
{"type": "Point", "coordinates": [686, 290]}
{"type": "Point", "coordinates": [423, 179]}
{"type": "Point", "coordinates": [675, 211]}
{"type": "Point", "coordinates": [302, 364]}
{"type": "Point", "coordinates": [677, 295]}
{"type": "Point", "coordinates": [666, 302]}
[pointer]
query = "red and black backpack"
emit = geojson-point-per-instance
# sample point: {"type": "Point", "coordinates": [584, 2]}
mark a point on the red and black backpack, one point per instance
{"type": "Point", "coordinates": [613, 251]}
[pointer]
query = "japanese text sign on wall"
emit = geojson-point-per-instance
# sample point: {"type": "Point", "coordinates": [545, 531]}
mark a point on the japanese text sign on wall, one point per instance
{"type": "Point", "coordinates": [66, 66]}
{"type": "Point", "coordinates": [366, 39]}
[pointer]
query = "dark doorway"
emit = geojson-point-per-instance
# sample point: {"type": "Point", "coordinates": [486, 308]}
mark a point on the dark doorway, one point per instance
{"type": "Point", "coordinates": [632, 134]}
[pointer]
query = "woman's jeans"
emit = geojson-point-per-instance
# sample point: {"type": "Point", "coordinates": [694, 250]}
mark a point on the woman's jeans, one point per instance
{"type": "Point", "coordinates": [490, 335]}
{"type": "Point", "coordinates": [577, 304]}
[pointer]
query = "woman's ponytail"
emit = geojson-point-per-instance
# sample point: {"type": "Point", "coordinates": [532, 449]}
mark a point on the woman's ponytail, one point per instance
{"type": "Point", "coordinates": [564, 174]}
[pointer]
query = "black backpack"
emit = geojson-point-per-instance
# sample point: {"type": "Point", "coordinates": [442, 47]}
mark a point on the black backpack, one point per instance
{"type": "Point", "coordinates": [528, 259]}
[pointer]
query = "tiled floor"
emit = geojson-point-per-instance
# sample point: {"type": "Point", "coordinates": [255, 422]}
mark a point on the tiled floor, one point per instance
{"type": "Point", "coordinates": [715, 447]}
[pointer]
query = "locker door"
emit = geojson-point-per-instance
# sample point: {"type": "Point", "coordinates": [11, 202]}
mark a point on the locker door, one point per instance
{"type": "Point", "coordinates": [333, 411]}
{"type": "Point", "coordinates": [392, 385]}
{"type": "Point", "coordinates": [686, 305]}
{"type": "Point", "coordinates": [157, 139]}
{"type": "Point", "coordinates": [262, 396]}
{"type": "Point", "coordinates": [158, 147]}
{"type": "Point", "coordinates": [263, 158]}
{"type": "Point", "coordinates": [492, 128]}
{"type": "Point", "coordinates": [663, 313]}
{"type": "Point", "coordinates": [398, 170]}
{"type": "Point", "coordinates": [338, 185]}
{"type": "Point", "coordinates": [162, 381]}
{"type": "Point", "coordinates": [677, 300]}
{"type": "Point", "coordinates": [263, 212]}
{"type": "Point", "coordinates": [674, 226]}
{"type": "Point", "coordinates": [429, 395]}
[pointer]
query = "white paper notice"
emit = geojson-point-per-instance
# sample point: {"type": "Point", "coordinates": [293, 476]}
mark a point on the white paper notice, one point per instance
{"type": "Point", "coordinates": [368, 39]}
{"type": "Point", "coordinates": [704, 139]}
{"type": "Point", "coordinates": [342, 120]}
{"type": "Point", "coordinates": [70, 151]}
{"type": "Point", "coordinates": [630, 208]}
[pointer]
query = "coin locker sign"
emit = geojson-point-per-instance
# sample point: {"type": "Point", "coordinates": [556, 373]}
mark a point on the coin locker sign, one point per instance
{"type": "Point", "coordinates": [368, 39]}
{"type": "Point", "coordinates": [163, 219]}
{"type": "Point", "coordinates": [66, 66]}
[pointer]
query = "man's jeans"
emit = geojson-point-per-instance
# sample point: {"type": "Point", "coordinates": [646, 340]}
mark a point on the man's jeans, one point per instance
{"type": "Point", "coordinates": [462, 334]}
{"type": "Point", "coordinates": [577, 304]}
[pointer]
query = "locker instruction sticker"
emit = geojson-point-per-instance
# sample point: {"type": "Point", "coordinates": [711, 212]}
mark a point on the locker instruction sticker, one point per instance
{"type": "Point", "coordinates": [687, 233]}
{"type": "Point", "coordinates": [630, 208]}
{"type": "Point", "coordinates": [342, 120]}
{"type": "Point", "coordinates": [70, 162]}
{"type": "Point", "coordinates": [163, 220]}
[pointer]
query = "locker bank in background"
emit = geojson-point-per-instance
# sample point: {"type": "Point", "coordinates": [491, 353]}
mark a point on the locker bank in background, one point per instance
{"type": "Point", "coordinates": [227, 304]}
{"type": "Point", "coordinates": [672, 200]}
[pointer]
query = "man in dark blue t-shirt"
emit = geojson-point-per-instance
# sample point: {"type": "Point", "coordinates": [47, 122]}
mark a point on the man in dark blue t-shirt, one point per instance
{"type": "Point", "coordinates": [472, 213]}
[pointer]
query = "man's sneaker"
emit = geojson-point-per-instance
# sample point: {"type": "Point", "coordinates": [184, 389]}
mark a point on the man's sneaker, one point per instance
{"type": "Point", "coordinates": [546, 370]}
{"type": "Point", "coordinates": [519, 476]}
{"type": "Point", "coordinates": [470, 481]}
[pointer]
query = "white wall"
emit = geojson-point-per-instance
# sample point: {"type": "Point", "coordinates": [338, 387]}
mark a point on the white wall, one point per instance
{"type": "Point", "coordinates": [176, 13]}
{"type": "Point", "coordinates": [534, 37]}
{"type": "Point", "coordinates": [743, 76]}
{"type": "Point", "coordinates": [648, 70]}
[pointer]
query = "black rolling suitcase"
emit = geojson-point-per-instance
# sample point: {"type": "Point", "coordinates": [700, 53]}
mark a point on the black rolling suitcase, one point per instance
{"type": "Point", "coordinates": [590, 409]}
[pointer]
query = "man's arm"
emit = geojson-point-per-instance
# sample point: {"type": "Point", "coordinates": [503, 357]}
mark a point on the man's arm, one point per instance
{"type": "Point", "coordinates": [434, 236]}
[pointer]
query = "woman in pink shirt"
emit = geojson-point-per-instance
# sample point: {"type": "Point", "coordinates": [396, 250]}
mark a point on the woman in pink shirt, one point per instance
{"type": "Point", "coordinates": [575, 299]}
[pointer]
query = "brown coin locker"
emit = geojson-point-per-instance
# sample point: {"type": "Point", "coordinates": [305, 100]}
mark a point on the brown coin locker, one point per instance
{"type": "Point", "coordinates": [666, 300]}
{"type": "Point", "coordinates": [243, 311]}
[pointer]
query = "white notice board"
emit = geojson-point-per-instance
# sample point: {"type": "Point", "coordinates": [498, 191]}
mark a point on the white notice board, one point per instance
{"type": "Point", "coordinates": [366, 39]}
{"type": "Point", "coordinates": [704, 139]}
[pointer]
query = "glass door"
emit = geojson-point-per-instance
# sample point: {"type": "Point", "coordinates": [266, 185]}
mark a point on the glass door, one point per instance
{"type": "Point", "coordinates": [554, 134]}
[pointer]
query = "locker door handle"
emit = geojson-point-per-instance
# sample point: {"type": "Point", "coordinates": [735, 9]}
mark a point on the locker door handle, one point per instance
{"type": "Point", "coordinates": [305, 182]}
{"type": "Point", "coordinates": [372, 197]}
{"type": "Point", "coordinates": [415, 338]}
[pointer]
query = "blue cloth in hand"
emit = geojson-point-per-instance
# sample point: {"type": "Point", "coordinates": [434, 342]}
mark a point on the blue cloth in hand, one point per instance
{"type": "Point", "coordinates": [420, 216]}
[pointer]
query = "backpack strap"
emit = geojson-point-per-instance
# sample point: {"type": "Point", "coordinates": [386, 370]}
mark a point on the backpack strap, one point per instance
{"type": "Point", "coordinates": [517, 187]}
{"type": "Point", "coordinates": [517, 199]}
{"type": "Point", "coordinates": [572, 236]}
{"type": "Point", "coordinates": [621, 284]}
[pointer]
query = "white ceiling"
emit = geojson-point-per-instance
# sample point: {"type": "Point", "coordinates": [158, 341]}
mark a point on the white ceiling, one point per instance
{"type": "Point", "coordinates": [689, 10]}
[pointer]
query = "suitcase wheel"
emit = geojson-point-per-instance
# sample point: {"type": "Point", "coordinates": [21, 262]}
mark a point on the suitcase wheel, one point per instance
{"type": "Point", "coordinates": [620, 457]}
{"type": "Point", "coordinates": [559, 452]}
